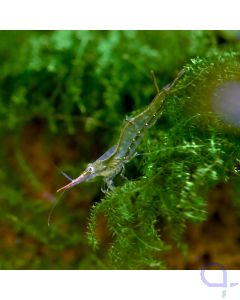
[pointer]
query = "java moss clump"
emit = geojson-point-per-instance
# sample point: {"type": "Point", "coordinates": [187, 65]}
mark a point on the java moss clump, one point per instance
{"type": "Point", "coordinates": [64, 96]}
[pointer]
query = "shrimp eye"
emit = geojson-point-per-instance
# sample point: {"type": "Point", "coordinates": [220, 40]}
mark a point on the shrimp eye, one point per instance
{"type": "Point", "coordinates": [90, 169]}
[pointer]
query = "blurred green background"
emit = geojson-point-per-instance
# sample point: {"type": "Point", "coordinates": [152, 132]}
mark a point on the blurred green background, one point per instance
{"type": "Point", "coordinates": [63, 98]}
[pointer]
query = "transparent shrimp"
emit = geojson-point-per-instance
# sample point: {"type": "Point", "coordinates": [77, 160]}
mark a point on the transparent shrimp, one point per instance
{"type": "Point", "coordinates": [112, 162]}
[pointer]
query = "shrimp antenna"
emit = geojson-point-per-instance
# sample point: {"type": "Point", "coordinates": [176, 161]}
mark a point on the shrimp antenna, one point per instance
{"type": "Point", "coordinates": [53, 207]}
{"type": "Point", "coordinates": [155, 81]}
{"type": "Point", "coordinates": [57, 198]}
{"type": "Point", "coordinates": [63, 173]}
